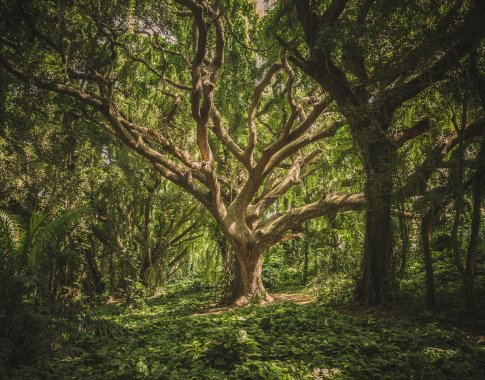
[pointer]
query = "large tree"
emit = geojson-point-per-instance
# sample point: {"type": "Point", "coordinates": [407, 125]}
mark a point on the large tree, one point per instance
{"type": "Point", "coordinates": [373, 57]}
{"type": "Point", "coordinates": [151, 76]}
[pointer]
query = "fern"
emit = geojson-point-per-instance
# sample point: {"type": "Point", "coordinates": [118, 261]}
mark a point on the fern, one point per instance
{"type": "Point", "coordinates": [10, 227]}
{"type": "Point", "coordinates": [48, 234]}
{"type": "Point", "coordinates": [11, 236]}
{"type": "Point", "coordinates": [24, 336]}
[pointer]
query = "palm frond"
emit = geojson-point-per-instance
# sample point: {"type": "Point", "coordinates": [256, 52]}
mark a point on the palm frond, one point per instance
{"type": "Point", "coordinates": [11, 231]}
{"type": "Point", "coordinates": [34, 224]}
{"type": "Point", "coordinates": [49, 233]}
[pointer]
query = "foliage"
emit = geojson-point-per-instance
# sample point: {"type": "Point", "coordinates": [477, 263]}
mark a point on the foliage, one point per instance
{"type": "Point", "coordinates": [24, 335]}
{"type": "Point", "coordinates": [107, 265]}
{"type": "Point", "coordinates": [333, 289]}
{"type": "Point", "coordinates": [170, 339]}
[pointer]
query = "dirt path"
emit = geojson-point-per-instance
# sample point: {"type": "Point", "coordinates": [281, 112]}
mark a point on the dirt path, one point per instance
{"type": "Point", "coordinates": [296, 298]}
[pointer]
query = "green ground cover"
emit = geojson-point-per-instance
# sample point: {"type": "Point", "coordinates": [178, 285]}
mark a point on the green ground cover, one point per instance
{"type": "Point", "coordinates": [173, 337]}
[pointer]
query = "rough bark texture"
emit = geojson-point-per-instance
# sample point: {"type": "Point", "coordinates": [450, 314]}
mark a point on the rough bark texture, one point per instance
{"type": "Point", "coordinates": [249, 282]}
{"type": "Point", "coordinates": [471, 259]}
{"type": "Point", "coordinates": [375, 281]}
{"type": "Point", "coordinates": [231, 282]}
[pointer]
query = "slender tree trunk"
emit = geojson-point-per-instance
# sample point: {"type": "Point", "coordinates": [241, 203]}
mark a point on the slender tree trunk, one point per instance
{"type": "Point", "coordinates": [428, 260]}
{"type": "Point", "coordinates": [111, 270]}
{"type": "Point", "coordinates": [306, 243]}
{"type": "Point", "coordinates": [248, 282]}
{"type": "Point", "coordinates": [334, 243]}
{"type": "Point", "coordinates": [375, 279]}
{"type": "Point", "coordinates": [147, 234]}
{"type": "Point", "coordinates": [471, 259]}
{"type": "Point", "coordinates": [306, 253]}
{"type": "Point", "coordinates": [459, 175]}
{"type": "Point", "coordinates": [94, 272]}
{"type": "Point", "coordinates": [478, 183]}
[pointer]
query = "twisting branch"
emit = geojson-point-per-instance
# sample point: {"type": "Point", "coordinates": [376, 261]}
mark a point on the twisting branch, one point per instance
{"type": "Point", "coordinates": [258, 90]}
{"type": "Point", "coordinates": [273, 192]}
{"type": "Point", "coordinates": [273, 229]}
{"type": "Point", "coordinates": [419, 128]}
{"type": "Point", "coordinates": [470, 37]}
{"type": "Point", "coordinates": [299, 143]}
{"type": "Point", "coordinates": [204, 79]}
{"type": "Point", "coordinates": [220, 131]}
{"type": "Point", "coordinates": [416, 183]}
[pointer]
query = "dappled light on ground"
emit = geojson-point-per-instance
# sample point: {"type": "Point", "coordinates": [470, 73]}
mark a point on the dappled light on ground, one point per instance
{"type": "Point", "coordinates": [296, 298]}
{"type": "Point", "coordinates": [293, 338]}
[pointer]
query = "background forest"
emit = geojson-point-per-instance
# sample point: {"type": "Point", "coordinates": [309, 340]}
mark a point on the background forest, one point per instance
{"type": "Point", "coordinates": [319, 162]}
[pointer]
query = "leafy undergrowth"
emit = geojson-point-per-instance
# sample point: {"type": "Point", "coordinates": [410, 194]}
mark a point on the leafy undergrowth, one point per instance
{"type": "Point", "coordinates": [169, 339]}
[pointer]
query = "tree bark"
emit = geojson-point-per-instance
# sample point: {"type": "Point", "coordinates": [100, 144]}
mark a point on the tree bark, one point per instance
{"type": "Point", "coordinates": [94, 272]}
{"type": "Point", "coordinates": [248, 282]}
{"type": "Point", "coordinates": [229, 269]}
{"type": "Point", "coordinates": [147, 233]}
{"type": "Point", "coordinates": [334, 243]}
{"type": "Point", "coordinates": [375, 279]}
{"type": "Point", "coordinates": [428, 260]}
{"type": "Point", "coordinates": [475, 230]}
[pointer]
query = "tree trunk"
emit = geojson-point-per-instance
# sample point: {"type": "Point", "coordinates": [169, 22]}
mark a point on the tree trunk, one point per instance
{"type": "Point", "coordinates": [228, 282]}
{"type": "Point", "coordinates": [248, 285]}
{"type": "Point", "coordinates": [478, 184]}
{"type": "Point", "coordinates": [147, 232]}
{"type": "Point", "coordinates": [428, 260]}
{"type": "Point", "coordinates": [306, 253]}
{"type": "Point", "coordinates": [375, 279]}
{"type": "Point", "coordinates": [334, 243]}
{"type": "Point", "coordinates": [475, 230]}
{"type": "Point", "coordinates": [95, 274]}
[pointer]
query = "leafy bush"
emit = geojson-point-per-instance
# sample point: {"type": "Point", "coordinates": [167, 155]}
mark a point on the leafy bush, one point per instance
{"type": "Point", "coordinates": [24, 339]}
{"type": "Point", "coordinates": [135, 294]}
{"type": "Point", "coordinates": [24, 333]}
{"type": "Point", "coordinates": [332, 289]}
{"type": "Point", "coordinates": [270, 277]}
{"type": "Point", "coordinates": [187, 285]}
{"type": "Point", "coordinates": [230, 348]}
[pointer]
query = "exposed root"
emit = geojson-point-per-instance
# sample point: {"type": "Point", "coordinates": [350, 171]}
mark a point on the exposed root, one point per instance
{"type": "Point", "coordinates": [246, 300]}
{"type": "Point", "coordinates": [296, 298]}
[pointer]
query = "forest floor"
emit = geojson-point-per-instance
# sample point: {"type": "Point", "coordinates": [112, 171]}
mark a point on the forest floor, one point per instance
{"type": "Point", "coordinates": [179, 335]}
{"type": "Point", "coordinates": [298, 298]}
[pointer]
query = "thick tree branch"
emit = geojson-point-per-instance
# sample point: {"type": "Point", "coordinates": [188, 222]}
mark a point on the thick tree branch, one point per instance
{"type": "Point", "coordinates": [258, 90]}
{"type": "Point", "coordinates": [473, 33]}
{"type": "Point", "coordinates": [292, 177]}
{"type": "Point", "coordinates": [417, 182]}
{"type": "Point", "coordinates": [419, 128]}
{"type": "Point", "coordinates": [272, 230]}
